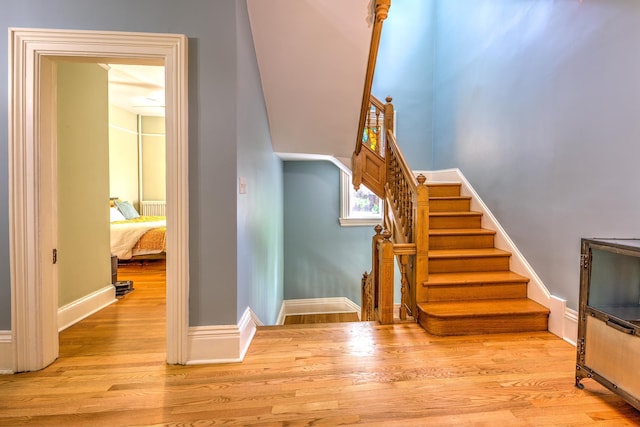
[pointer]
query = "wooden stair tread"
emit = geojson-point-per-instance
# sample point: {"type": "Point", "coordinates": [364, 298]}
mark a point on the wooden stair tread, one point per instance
{"type": "Point", "coordinates": [466, 253]}
{"type": "Point", "coordinates": [474, 278]}
{"type": "Point", "coordinates": [483, 308]}
{"type": "Point", "coordinates": [443, 183]}
{"type": "Point", "coordinates": [456, 213]}
{"type": "Point", "coordinates": [460, 231]}
{"type": "Point", "coordinates": [449, 197]}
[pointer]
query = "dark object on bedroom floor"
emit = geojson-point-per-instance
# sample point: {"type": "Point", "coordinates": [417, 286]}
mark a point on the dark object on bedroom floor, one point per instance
{"type": "Point", "coordinates": [123, 287]}
{"type": "Point", "coordinates": [114, 269]}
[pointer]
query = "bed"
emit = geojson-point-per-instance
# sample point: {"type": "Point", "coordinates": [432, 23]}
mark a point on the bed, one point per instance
{"type": "Point", "coordinates": [135, 237]}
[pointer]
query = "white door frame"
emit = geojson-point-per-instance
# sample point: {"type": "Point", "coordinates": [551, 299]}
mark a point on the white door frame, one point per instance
{"type": "Point", "coordinates": [31, 173]}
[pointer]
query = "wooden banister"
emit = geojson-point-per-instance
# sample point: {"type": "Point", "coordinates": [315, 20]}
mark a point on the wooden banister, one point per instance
{"type": "Point", "coordinates": [381, 13]}
{"type": "Point", "coordinates": [384, 295]}
{"type": "Point", "coordinates": [406, 223]}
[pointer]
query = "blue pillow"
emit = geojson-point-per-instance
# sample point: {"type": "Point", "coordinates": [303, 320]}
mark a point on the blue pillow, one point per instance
{"type": "Point", "coordinates": [127, 210]}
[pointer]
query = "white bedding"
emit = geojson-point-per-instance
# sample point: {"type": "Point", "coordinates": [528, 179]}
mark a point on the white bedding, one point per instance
{"type": "Point", "coordinates": [124, 236]}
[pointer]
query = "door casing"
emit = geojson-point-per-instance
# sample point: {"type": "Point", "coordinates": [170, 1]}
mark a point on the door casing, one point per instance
{"type": "Point", "coordinates": [32, 178]}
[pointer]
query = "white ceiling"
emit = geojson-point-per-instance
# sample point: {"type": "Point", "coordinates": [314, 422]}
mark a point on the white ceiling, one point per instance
{"type": "Point", "coordinates": [312, 56]}
{"type": "Point", "coordinates": [137, 88]}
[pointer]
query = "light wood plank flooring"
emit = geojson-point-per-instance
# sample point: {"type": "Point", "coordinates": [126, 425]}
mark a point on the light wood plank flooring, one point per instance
{"type": "Point", "coordinates": [305, 319]}
{"type": "Point", "coordinates": [112, 373]}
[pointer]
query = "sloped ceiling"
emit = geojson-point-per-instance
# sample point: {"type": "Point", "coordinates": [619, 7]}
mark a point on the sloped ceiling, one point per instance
{"type": "Point", "coordinates": [312, 56]}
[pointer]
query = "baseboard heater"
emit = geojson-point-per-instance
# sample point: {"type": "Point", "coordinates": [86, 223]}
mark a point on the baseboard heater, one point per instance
{"type": "Point", "coordinates": [153, 208]}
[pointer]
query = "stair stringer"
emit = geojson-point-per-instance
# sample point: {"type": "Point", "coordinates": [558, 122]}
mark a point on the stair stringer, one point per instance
{"type": "Point", "coordinates": [562, 321]}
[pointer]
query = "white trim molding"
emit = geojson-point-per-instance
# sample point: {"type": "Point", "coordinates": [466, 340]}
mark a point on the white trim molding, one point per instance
{"type": "Point", "coordinates": [32, 177]}
{"type": "Point", "coordinates": [570, 327]}
{"type": "Point", "coordinates": [316, 306]}
{"type": "Point", "coordinates": [84, 307]}
{"type": "Point", "coordinates": [341, 163]}
{"type": "Point", "coordinates": [6, 353]}
{"type": "Point", "coordinates": [222, 344]}
{"type": "Point", "coordinates": [346, 220]}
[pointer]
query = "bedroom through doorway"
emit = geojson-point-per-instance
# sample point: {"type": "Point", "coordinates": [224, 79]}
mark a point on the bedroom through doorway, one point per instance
{"type": "Point", "coordinates": [137, 159]}
{"type": "Point", "coordinates": [130, 173]}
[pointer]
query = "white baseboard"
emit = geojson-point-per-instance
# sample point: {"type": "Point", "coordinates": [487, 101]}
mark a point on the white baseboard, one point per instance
{"type": "Point", "coordinates": [6, 352]}
{"type": "Point", "coordinates": [84, 307]}
{"type": "Point", "coordinates": [570, 334]}
{"type": "Point", "coordinates": [221, 344]}
{"type": "Point", "coordinates": [315, 306]}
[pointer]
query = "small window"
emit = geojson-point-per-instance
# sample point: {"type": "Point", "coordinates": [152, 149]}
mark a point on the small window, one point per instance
{"type": "Point", "coordinates": [358, 208]}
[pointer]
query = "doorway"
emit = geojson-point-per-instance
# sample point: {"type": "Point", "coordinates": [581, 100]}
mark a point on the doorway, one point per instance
{"type": "Point", "coordinates": [33, 177]}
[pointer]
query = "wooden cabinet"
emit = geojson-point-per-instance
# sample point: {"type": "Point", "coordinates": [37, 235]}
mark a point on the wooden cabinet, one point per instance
{"type": "Point", "coordinates": [608, 347]}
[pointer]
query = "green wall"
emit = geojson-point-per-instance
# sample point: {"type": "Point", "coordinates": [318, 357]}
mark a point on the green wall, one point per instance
{"type": "Point", "coordinates": [83, 181]}
{"type": "Point", "coordinates": [123, 155]}
{"type": "Point", "coordinates": [153, 159]}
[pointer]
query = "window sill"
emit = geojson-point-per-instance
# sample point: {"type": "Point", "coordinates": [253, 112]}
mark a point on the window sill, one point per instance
{"type": "Point", "coordinates": [359, 222]}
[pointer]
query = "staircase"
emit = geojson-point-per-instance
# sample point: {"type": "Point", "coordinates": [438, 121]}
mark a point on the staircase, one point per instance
{"type": "Point", "coordinates": [454, 281]}
{"type": "Point", "coordinates": [470, 289]}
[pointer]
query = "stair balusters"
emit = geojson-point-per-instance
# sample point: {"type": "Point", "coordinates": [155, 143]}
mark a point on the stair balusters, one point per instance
{"type": "Point", "coordinates": [406, 220]}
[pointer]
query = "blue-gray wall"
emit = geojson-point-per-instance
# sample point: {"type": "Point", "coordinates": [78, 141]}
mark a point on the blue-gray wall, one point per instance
{"type": "Point", "coordinates": [322, 259]}
{"type": "Point", "coordinates": [260, 216]}
{"type": "Point", "coordinates": [404, 71]}
{"type": "Point", "coordinates": [537, 102]}
{"type": "Point", "coordinates": [217, 32]}
{"type": "Point", "coordinates": [534, 100]}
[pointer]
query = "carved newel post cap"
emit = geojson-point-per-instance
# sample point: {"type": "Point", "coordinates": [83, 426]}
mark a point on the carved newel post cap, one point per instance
{"type": "Point", "coordinates": [421, 179]}
{"type": "Point", "coordinates": [378, 228]}
{"type": "Point", "coordinates": [388, 99]}
{"type": "Point", "coordinates": [382, 9]}
{"type": "Point", "coordinates": [386, 234]}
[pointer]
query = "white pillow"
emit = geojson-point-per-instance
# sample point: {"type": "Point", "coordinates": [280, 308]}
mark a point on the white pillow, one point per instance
{"type": "Point", "coordinates": [116, 215]}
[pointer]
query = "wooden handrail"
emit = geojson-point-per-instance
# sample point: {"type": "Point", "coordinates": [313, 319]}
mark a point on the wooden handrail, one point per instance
{"type": "Point", "coordinates": [381, 13]}
{"type": "Point", "coordinates": [376, 103]}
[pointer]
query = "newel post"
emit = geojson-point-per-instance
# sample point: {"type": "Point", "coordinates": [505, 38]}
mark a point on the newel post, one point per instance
{"type": "Point", "coordinates": [388, 114]}
{"type": "Point", "coordinates": [370, 281]}
{"type": "Point", "coordinates": [385, 292]}
{"type": "Point", "coordinates": [421, 237]}
{"type": "Point", "coordinates": [375, 268]}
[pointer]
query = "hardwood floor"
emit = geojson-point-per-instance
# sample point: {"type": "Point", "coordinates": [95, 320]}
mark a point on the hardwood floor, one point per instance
{"type": "Point", "coordinates": [111, 372]}
{"type": "Point", "coordinates": [115, 331]}
{"type": "Point", "coordinates": [306, 319]}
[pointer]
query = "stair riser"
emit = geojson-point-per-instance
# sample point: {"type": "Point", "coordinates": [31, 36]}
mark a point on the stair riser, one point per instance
{"type": "Point", "coordinates": [483, 325]}
{"type": "Point", "coordinates": [440, 222]}
{"type": "Point", "coordinates": [461, 242]}
{"type": "Point", "coordinates": [450, 205]}
{"type": "Point", "coordinates": [464, 292]}
{"type": "Point", "coordinates": [459, 265]}
{"type": "Point", "coordinates": [444, 190]}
